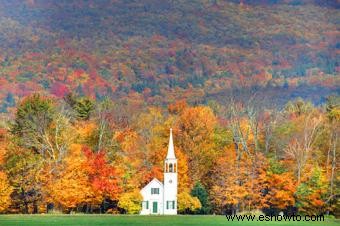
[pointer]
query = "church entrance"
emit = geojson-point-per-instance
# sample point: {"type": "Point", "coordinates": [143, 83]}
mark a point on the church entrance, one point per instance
{"type": "Point", "coordinates": [154, 207]}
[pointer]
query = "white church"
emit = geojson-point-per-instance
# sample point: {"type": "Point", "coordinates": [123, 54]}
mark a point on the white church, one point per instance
{"type": "Point", "coordinates": [159, 198]}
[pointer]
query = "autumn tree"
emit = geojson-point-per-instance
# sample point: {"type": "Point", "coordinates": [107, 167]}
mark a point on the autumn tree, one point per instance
{"type": "Point", "coordinates": [187, 203]}
{"type": "Point", "coordinates": [277, 188]}
{"type": "Point", "coordinates": [72, 186]}
{"type": "Point", "coordinates": [300, 146]}
{"type": "Point", "coordinates": [184, 181]}
{"type": "Point", "coordinates": [131, 202]}
{"type": "Point", "coordinates": [333, 125]}
{"type": "Point", "coordinates": [102, 176]}
{"type": "Point", "coordinates": [228, 188]}
{"type": "Point", "coordinates": [195, 136]}
{"type": "Point", "coordinates": [235, 185]}
{"type": "Point", "coordinates": [243, 123]}
{"type": "Point", "coordinates": [312, 193]}
{"type": "Point", "coordinates": [130, 160]}
{"type": "Point", "coordinates": [23, 168]}
{"type": "Point", "coordinates": [103, 135]}
{"type": "Point", "coordinates": [177, 107]}
{"type": "Point", "coordinates": [5, 192]}
{"type": "Point", "coordinates": [269, 120]}
{"type": "Point", "coordinates": [5, 186]}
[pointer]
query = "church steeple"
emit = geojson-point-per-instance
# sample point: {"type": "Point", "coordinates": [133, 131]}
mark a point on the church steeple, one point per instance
{"type": "Point", "coordinates": [170, 180]}
{"type": "Point", "coordinates": [171, 150]}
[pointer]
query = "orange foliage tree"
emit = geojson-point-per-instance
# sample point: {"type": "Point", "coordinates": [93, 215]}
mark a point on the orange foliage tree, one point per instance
{"type": "Point", "coordinates": [72, 187]}
{"type": "Point", "coordinates": [195, 136]}
{"type": "Point", "coordinates": [278, 187]}
{"type": "Point", "coordinates": [102, 176]}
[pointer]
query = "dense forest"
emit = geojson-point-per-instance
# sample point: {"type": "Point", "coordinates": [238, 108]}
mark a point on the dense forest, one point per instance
{"type": "Point", "coordinates": [89, 90]}
{"type": "Point", "coordinates": [77, 155]}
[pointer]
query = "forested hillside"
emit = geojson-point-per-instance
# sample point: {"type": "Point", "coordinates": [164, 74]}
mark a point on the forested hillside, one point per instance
{"type": "Point", "coordinates": [160, 51]}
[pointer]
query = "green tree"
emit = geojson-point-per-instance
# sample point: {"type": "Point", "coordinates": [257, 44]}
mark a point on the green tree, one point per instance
{"type": "Point", "coordinates": [201, 193]}
{"type": "Point", "coordinates": [83, 106]}
{"type": "Point", "coordinates": [333, 108]}
{"type": "Point", "coordinates": [42, 126]}
{"type": "Point", "coordinates": [34, 117]}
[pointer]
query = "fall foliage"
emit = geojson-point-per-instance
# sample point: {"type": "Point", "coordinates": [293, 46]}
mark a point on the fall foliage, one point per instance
{"type": "Point", "coordinates": [196, 57]}
{"type": "Point", "coordinates": [250, 89]}
{"type": "Point", "coordinates": [5, 192]}
{"type": "Point", "coordinates": [187, 203]}
{"type": "Point", "coordinates": [131, 202]}
{"type": "Point", "coordinates": [230, 158]}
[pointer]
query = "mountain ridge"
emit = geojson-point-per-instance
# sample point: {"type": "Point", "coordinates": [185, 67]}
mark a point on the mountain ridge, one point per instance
{"type": "Point", "coordinates": [160, 52]}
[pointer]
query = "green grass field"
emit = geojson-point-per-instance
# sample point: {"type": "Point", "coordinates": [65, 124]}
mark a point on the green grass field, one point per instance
{"type": "Point", "coordinates": [101, 220]}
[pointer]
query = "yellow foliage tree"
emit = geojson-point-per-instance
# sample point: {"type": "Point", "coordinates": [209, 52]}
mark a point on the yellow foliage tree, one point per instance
{"type": "Point", "coordinates": [184, 182]}
{"type": "Point", "coordinates": [187, 203]}
{"type": "Point", "coordinates": [5, 192]}
{"type": "Point", "coordinates": [84, 130]}
{"type": "Point", "coordinates": [231, 184]}
{"type": "Point", "coordinates": [131, 202]}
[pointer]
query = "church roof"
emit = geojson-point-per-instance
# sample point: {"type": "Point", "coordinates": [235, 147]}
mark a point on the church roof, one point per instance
{"type": "Point", "coordinates": [154, 180]}
{"type": "Point", "coordinates": [171, 150]}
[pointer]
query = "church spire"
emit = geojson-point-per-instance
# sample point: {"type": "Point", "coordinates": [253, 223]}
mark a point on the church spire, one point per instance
{"type": "Point", "coordinates": [171, 150]}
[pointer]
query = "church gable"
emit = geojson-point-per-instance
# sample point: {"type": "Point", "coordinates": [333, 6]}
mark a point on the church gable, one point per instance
{"type": "Point", "coordinates": [149, 188]}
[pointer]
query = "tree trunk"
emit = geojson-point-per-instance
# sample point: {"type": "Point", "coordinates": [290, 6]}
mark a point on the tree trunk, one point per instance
{"type": "Point", "coordinates": [25, 207]}
{"type": "Point", "coordinates": [35, 207]}
{"type": "Point", "coordinates": [238, 172]}
{"type": "Point", "coordinates": [333, 162]}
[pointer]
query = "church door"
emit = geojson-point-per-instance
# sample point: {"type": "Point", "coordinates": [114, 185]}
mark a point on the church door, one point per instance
{"type": "Point", "coordinates": [154, 207]}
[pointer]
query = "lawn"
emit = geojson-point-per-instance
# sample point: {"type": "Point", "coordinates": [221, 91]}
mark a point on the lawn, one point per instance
{"type": "Point", "coordinates": [101, 220]}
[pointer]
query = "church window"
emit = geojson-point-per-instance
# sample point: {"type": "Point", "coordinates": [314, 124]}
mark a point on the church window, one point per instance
{"type": "Point", "coordinates": [170, 168]}
{"type": "Point", "coordinates": [170, 205]}
{"type": "Point", "coordinates": [154, 191]}
{"type": "Point", "coordinates": [166, 167]}
{"type": "Point", "coordinates": [145, 205]}
{"type": "Point", "coordinates": [175, 167]}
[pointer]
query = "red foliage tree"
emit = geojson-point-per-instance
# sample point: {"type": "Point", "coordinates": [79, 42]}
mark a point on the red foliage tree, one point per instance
{"type": "Point", "coordinates": [102, 176]}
